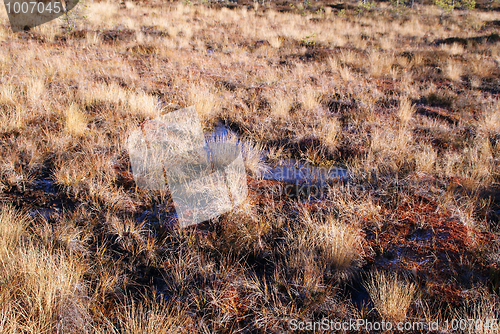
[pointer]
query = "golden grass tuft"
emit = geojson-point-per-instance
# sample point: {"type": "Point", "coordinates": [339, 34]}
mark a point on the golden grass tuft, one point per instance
{"type": "Point", "coordinates": [44, 289]}
{"type": "Point", "coordinates": [205, 100]}
{"type": "Point", "coordinates": [331, 133]}
{"type": "Point", "coordinates": [390, 150]}
{"type": "Point", "coordinates": [281, 105]}
{"type": "Point", "coordinates": [7, 94]}
{"type": "Point", "coordinates": [339, 244]}
{"type": "Point", "coordinates": [330, 243]}
{"type": "Point", "coordinates": [35, 88]}
{"type": "Point", "coordinates": [309, 97]}
{"type": "Point", "coordinates": [426, 159]}
{"type": "Point", "coordinates": [490, 122]}
{"type": "Point", "coordinates": [143, 104]}
{"type": "Point", "coordinates": [149, 316]}
{"type": "Point", "coordinates": [380, 63]}
{"type": "Point", "coordinates": [483, 310]}
{"type": "Point", "coordinates": [390, 295]}
{"type": "Point", "coordinates": [405, 111]}
{"type": "Point", "coordinates": [75, 121]}
{"type": "Point", "coordinates": [454, 70]}
{"type": "Point", "coordinates": [12, 227]}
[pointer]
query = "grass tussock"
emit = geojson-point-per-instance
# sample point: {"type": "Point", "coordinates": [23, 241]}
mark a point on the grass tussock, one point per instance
{"type": "Point", "coordinates": [75, 121]}
{"type": "Point", "coordinates": [327, 243]}
{"type": "Point", "coordinates": [391, 296]}
{"type": "Point", "coordinates": [483, 309]}
{"type": "Point", "coordinates": [44, 288]}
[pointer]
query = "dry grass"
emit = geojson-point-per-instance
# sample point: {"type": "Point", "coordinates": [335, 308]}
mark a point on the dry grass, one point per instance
{"type": "Point", "coordinates": [390, 295]}
{"type": "Point", "coordinates": [338, 244]}
{"type": "Point", "coordinates": [426, 159]}
{"type": "Point", "coordinates": [76, 123]}
{"type": "Point", "coordinates": [44, 288]}
{"type": "Point", "coordinates": [149, 316]}
{"type": "Point", "coordinates": [331, 133]}
{"type": "Point", "coordinates": [453, 70]}
{"type": "Point", "coordinates": [483, 309]}
{"type": "Point", "coordinates": [414, 117]}
{"type": "Point", "coordinates": [406, 111]}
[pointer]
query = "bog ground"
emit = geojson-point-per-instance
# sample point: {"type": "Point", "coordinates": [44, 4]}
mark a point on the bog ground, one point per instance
{"type": "Point", "coordinates": [406, 100]}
